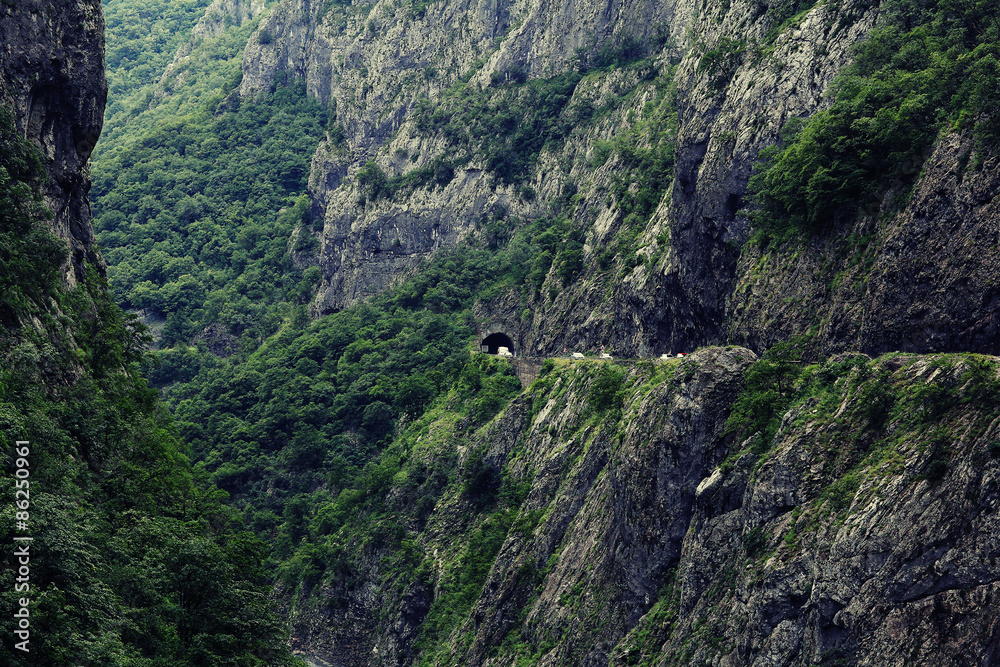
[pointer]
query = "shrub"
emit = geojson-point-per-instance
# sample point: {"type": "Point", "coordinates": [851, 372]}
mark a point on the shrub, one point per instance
{"type": "Point", "coordinates": [768, 392]}
{"type": "Point", "coordinates": [372, 182]}
{"type": "Point", "coordinates": [607, 390]}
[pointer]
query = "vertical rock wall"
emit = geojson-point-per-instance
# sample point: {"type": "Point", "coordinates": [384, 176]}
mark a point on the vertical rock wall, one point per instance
{"type": "Point", "coordinates": [374, 61]}
{"type": "Point", "coordinates": [52, 75]}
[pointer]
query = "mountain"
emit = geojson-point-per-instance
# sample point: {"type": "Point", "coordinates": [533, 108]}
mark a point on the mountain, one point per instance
{"type": "Point", "coordinates": [324, 210]}
{"type": "Point", "coordinates": [813, 179]}
{"type": "Point", "coordinates": [639, 126]}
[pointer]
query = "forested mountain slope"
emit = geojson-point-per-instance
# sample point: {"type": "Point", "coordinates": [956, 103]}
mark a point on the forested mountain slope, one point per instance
{"type": "Point", "coordinates": [615, 516]}
{"type": "Point", "coordinates": [627, 139]}
{"type": "Point", "coordinates": [133, 559]}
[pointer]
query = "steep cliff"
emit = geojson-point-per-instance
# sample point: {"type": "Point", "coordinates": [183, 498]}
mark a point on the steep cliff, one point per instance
{"type": "Point", "coordinates": [635, 515]}
{"type": "Point", "coordinates": [52, 77]}
{"type": "Point", "coordinates": [915, 280]}
{"type": "Point", "coordinates": [736, 74]}
{"type": "Point", "coordinates": [664, 263]}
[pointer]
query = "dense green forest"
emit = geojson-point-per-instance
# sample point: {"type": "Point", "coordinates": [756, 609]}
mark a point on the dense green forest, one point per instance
{"type": "Point", "coordinates": [195, 218]}
{"type": "Point", "coordinates": [196, 194]}
{"type": "Point", "coordinates": [135, 558]}
{"type": "Point", "coordinates": [143, 39]}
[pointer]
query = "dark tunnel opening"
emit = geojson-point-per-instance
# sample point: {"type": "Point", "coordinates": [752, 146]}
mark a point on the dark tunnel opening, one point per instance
{"type": "Point", "coordinates": [492, 343]}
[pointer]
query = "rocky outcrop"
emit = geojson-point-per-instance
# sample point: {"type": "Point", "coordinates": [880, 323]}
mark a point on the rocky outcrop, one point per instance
{"type": "Point", "coordinates": [915, 280]}
{"type": "Point", "coordinates": [731, 110]}
{"type": "Point", "coordinates": [52, 76]}
{"type": "Point", "coordinates": [606, 510]}
{"type": "Point", "coordinates": [617, 502]}
{"type": "Point", "coordinates": [657, 533]}
{"type": "Point", "coordinates": [856, 540]}
{"type": "Point", "coordinates": [375, 62]}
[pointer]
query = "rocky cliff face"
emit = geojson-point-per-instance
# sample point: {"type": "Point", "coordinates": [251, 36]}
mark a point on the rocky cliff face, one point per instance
{"type": "Point", "coordinates": [52, 76]}
{"type": "Point", "coordinates": [860, 536]}
{"type": "Point", "coordinates": [600, 508]}
{"type": "Point", "coordinates": [373, 62]}
{"type": "Point", "coordinates": [920, 279]}
{"type": "Point", "coordinates": [739, 72]}
{"type": "Point", "coordinates": [638, 528]}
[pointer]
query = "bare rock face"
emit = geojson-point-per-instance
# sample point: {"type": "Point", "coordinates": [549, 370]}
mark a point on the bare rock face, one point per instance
{"type": "Point", "coordinates": [726, 116]}
{"type": "Point", "coordinates": [838, 554]}
{"type": "Point", "coordinates": [374, 62]}
{"type": "Point", "coordinates": [919, 280]}
{"type": "Point", "coordinates": [688, 279]}
{"type": "Point", "coordinates": [52, 75]}
{"type": "Point", "coordinates": [617, 508]}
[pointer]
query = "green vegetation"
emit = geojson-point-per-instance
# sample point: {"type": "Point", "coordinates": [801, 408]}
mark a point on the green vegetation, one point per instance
{"type": "Point", "coordinates": [378, 510]}
{"type": "Point", "coordinates": [142, 39]}
{"type": "Point", "coordinates": [189, 215]}
{"type": "Point", "coordinates": [721, 62]}
{"type": "Point", "coordinates": [506, 127]}
{"type": "Point", "coordinates": [432, 521]}
{"type": "Point", "coordinates": [29, 254]}
{"type": "Point", "coordinates": [319, 402]}
{"type": "Point", "coordinates": [607, 393]}
{"type": "Point", "coordinates": [768, 393]}
{"type": "Point", "coordinates": [135, 559]}
{"type": "Point", "coordinates": [462, 584]}
{"type": "Point", "coordinates": [928, 68]}
{"type": "Point", "coordinates": [196, 192]}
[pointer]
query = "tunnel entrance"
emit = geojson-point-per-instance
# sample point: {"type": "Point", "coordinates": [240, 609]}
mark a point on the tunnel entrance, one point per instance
{"type": "Point", "coordinates": [492, 343]}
